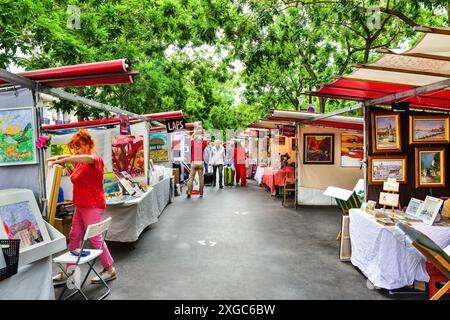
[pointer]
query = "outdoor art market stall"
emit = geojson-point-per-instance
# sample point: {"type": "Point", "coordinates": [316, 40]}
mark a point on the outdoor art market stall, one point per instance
{"type": "Point", "coordinates": [28, 241]}
{"type": "Point", "coordinates": [408, 146]}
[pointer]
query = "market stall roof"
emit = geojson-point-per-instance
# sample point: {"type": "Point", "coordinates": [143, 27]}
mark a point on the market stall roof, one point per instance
{"type": "Point", "coordinates": [286, 117]}
{"type": "Point", "coordinates": [113, 121]}
{"type": "Point", "coordinates": [428, 62]}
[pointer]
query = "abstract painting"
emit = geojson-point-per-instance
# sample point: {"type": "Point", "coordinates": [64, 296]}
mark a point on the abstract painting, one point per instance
{"type": "Point", "coordinates": [383, 167]}
{"type": "Point", "coordinates": [17, 142]}
{"type": "Point", "coordinates": [159, 149]}
{"type": "Point", "coordinates": [386, 132]}
{"type": "Point", "coordinates": [110, 183]}
{"type": "Point", "coordinates": [318, 149]}
{"type": "Point", "coordinates": [352, 150]}
{"type": "Point", "coordinates": [430, 167]}
{"type": "Point", "coordinates": [128, 155]}
{"type": "Point", "coordinates": [429, 129]}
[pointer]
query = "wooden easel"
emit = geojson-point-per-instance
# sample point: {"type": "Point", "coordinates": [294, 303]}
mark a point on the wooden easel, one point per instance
{"type": "Point", "coordinates": [399, 206]}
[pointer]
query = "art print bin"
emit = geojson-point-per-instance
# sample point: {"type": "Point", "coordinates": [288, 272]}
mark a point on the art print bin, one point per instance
{"type": "Point", "coordinates": [10, 250]}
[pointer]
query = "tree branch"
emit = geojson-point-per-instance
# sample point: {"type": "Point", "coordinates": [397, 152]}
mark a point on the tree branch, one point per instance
{"type": "Point", "coordinates": [399, 15]}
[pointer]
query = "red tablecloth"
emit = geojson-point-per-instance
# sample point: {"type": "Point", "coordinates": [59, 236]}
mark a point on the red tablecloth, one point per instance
{"type": "Point", "coordinates": [273, 178]}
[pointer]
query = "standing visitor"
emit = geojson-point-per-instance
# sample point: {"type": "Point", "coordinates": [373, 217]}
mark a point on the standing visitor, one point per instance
{"type": "Point", "coordinates": [88, 198]}
{"type": "Point", "coordinates": [218, 161]}
{"type": "Point", "coordinates": [207, 156]}
{"type": "Point", "coordinates": [198, 146]}
{"type": "Point", "coordinates": [239, 156]}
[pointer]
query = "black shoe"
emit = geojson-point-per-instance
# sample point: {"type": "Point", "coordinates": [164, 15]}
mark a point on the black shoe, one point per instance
{"type": "Point", "coordinates": [221, 187]}
{"type": "Point", "coordinates": [188, 196]}
{"type": "Point", "coordinates": [214, 185]}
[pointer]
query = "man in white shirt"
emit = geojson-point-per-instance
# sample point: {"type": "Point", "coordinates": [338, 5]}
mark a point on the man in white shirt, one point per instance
{"type": "Point", "coordinates": [217, 161]}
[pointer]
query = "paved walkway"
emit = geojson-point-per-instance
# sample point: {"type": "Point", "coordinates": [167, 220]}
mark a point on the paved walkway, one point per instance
{"type": "Point", "coordinates": [239, 243]}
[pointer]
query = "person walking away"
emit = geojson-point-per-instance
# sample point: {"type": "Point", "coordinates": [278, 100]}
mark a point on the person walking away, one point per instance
{"type": "Point", "coordinates": [218, 161]}
{"type": "Point", "coordinates": [88, 198]}
{"type": "Point", "coordinates": [239, 155]}
{"type": "Point", "coordinates": [198, 146]}
{"type": "Point", "coordinates": [207, 156]}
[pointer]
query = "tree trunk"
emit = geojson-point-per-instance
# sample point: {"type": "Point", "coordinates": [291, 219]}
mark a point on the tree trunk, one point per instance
{"type": "Point", "coordinates": [322, 103]}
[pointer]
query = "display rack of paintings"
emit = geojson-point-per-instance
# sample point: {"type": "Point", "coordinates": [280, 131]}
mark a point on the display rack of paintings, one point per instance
{"type": "Point", "coordinates": [17, 140]}
{"type": "Point", "coordinates": [429, 129]}
{"type": "Point", "coordinates": [128, 155]}
{"type": "Point", "coordinates": [352, 150]}
{"type": "Point", "coordinates": [381, 168]}
{"type": "Point", "coordinates": [386, 132]}
{"type": "Point", "coordinates": [318, 149]}
{"type": "Point", "coordinates": [430, 167]}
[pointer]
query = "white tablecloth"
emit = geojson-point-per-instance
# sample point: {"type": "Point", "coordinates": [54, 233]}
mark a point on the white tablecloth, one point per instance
{"type": "Point", "coordinates": [385, 255]}
{"type": "Point", "coordinates": [31, 282]}
{"type": "Point", "coordinates": [259, 174]}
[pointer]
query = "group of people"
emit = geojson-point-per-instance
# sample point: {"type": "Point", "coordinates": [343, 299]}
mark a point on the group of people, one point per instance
{"type": "Point", "coordinates": [205, 153]}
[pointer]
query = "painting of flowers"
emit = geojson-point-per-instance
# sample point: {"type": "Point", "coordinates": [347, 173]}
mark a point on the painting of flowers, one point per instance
{"type": "Point", "coordinates": [128, 155]}
{"type": "Point", "coordinates": [17, 144]}
{"type": "Point", "coordinates": [318, 149]}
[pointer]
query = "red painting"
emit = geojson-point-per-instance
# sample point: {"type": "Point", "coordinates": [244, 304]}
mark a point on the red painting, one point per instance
{"type": "Point", "coordinates": [128, 155]}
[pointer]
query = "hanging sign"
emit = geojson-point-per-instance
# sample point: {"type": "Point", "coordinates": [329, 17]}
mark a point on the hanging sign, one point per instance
{"type": "Point", "coordinates": [287, 131]}
{"type": "Point", "coordinates": [124, 124]}
{"type": "Point", "coordinates": [175, 125]}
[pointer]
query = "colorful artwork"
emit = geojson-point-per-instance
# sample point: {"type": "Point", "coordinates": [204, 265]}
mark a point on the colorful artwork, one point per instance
{"type": "Point", "coordinates": [383, 168]}
{"type": "Point", "coordinates": [352, 150]}
{"type": "Point", "coordinates": [128, 155]}
{"type": "Point", "coordinates": [19, 220]}
{"type": "Point", "coordinates": [386, 132]}
{"type": "Point", "coordinates": [60, 149]}
{"type": "Point", "coordinates": [110, 184]}
{"type": "Point", "coordinates": [318, 149]}
{"type": "Point", "coordinates": [159, 149]}
{"type": "Point", "coordinates": [429, 129]}
{"type": "Point", "coordinates": [430, 167]}
{"type": "Point", "coordinates": [16, 137]}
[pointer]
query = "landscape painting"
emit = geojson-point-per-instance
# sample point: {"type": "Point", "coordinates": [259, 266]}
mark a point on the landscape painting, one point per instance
{"type": "Point", "coordinates": [429, 129]}
{"type": "Point", "coordinates": [159, 150]}
{"type": "Point", "coordinates": [318, 149]}
{"type": "Point", "coordinates": [128, 155]}
{"type": "Point", "coordinates": [383, 167]}
{"type": "Point", "coordinates": [352, 150]}
{"type": "Point", "coordinates": [430, 164]}
{"type": "Point", "coordinates": [386, 132]}
{"type": "Point", "coordinates": [17, 143]}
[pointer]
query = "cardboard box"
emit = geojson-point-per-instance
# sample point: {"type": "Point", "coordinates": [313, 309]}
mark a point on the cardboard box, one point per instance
{"type": "Point", "coordinates": [176, 174]}
{"type": "Point", "coordinates": [63, 225]}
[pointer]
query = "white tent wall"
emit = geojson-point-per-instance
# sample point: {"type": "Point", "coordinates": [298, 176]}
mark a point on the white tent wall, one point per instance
{"type": "Point", "coordinates": [315, 178]}
{"type": "Point", "coordinates": [19, 176]}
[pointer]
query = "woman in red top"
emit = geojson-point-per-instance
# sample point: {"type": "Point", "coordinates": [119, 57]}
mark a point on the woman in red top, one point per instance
{"type": "Point", "coordinates": [88, 198]}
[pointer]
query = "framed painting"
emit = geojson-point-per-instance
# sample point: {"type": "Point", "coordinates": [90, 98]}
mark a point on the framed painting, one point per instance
{"type": "Point", "coordinates": [386, 132]}
{"type": "Point", "coordinates": [429, 129]}
{"type": "Point", "coordinates": [159, 148]}
{"type": "Point", "coordinates": [429, 209]}
{"type": "Point", "coordinates": [318, 149]}
{"type": "Point", "coordinates": [389, 199]}
{"type": "Point", "coordinates": [413, 207]}
{"type": "Point", "coordinates": [21, 218]}
{"type": "Point", "coordinates": [352, 150]}
{"type": "Point", "coordinates": [430, 167]}
{"type": "Point", "coordinates": [128, 155]}
{"type": "Point", "coordinates": [381, 168]}
{"type": "Point", "coordinates": [110, 183]}
{"type": "Point", "coordinates": [17, 140]}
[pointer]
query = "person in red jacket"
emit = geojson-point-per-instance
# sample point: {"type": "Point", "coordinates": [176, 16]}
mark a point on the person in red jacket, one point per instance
{"type": "Point", "coordinates": [239, 164]}
{"type": "Point", "coordinates": [88, 198]}
{"type": "Point", "coordinates": [198, 145]}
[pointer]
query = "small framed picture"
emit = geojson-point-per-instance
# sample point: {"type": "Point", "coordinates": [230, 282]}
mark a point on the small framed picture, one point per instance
{"type": "Point", "coordinates": [429, 129]}
{"type": "Point", "coordinates": [382, 168]}
{"type": "Point", "coordinates": [386, 132]}
{"type": "Point", "coordinates": [389, 199]}
{"type": "Point", "coordinates": [413, 207]}
{"type": "Point", "coordinates": [364, 206]}
{"type": "Point", "coordinates": [391, 186]}
{"type": "Point", "coordinates": [371, 205]}
{"type": "Point", "coordinates": [429, 209]}
{"type": "Point", "coordinates": [430, 167]}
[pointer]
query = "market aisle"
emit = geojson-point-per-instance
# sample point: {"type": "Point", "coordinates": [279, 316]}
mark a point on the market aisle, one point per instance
{"type": "Point", "coordinates": [238, 244]}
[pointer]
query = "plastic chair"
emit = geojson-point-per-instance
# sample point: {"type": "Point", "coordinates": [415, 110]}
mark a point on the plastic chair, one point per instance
{"type": "Point", "coordinates": [435, 255]}
{"type": "Point", "coordinates": [289, 185]}
{"type": "Point", "coordinates": [77, 260]}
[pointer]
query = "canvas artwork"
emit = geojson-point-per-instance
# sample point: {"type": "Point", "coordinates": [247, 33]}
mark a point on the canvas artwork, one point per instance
{"type": "Point", "coordinates": [110, 184]}
{"type": "Point", "coordinates": [128, 155]}
{"type": "Point", "coordinates": [17, 142]}
{"type": "Point", "coordinates": [381, 168]}
{"type": "Point", "coordinates": [413, 207]}
{"type": "Point", "coordinates": [386, 132]}
{"type": "Point", "coordinates": [429, 129]}
{"type": "Point", "coordinates": [389, 199]}
{"type": "Point", "coordinates": [159, 148]}
{"type": "Point", "coordinates": [345, 246]}
{"type": "Point", "coordinates": [429, 209]}
{"type": "Point", "coordinates": [430, 167]}
{"type": "Point", "coordinates": [125, 184]}
{"type": "Point", "coordinates": [318, 149]}
{"type": "Point", "coordinates": [352, 150]}
{"type": "Point", "coordinates": [60, 149]}
{"type": "Point", "coordinates": [21, 218]}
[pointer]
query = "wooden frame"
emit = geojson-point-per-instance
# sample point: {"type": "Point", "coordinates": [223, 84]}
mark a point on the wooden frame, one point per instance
{"type": "Point", "coordinates": [389, 199]}
{"type": "Point", "coordinates": [402, 179]}
{"type": "Point", "coordinates": [345, 249]}
{"type": "Point", "coordinates": [412, 128]}
{"type": "Point", "coordinates": [376, 148]}
{"type": "Point", "coordinates": [305, 148]}
{"type": "Point", "coordinates": [419, 169]}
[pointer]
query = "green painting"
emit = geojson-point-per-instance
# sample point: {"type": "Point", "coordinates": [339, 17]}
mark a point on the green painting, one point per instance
{"type": "Point", "coordinates": [17, 137]}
